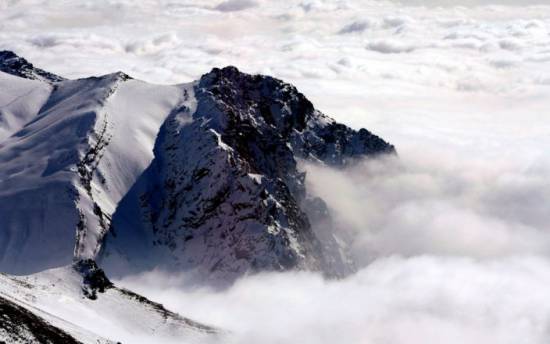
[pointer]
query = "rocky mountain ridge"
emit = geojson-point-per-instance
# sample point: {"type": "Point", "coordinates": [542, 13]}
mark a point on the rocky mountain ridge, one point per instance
{"type": "Point", "coordinates": [200, 177]}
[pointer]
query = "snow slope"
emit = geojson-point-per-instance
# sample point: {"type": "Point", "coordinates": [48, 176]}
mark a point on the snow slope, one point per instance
{"type": "Point", "coordinates": [117, 315]}
{"type": "Point", "coordinates": [20, 101]}
{"type": "Point", "coordinates": [67, 167]}
{"type": "Point", "coordinates": [19, 325]}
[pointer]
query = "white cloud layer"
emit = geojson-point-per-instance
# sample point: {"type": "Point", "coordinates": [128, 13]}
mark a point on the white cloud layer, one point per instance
{"type": "Point", "coordinates": [453, 239]}
{"type": "Point", "coordinates": [419, 300]}
{"type": "Point", "coordinates": [236, 5]}
{"type": "Point", "coordinates": [451, 249]}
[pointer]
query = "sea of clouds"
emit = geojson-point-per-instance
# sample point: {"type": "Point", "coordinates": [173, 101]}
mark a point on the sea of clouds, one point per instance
{"type": "Point", "coordinates": [452, 237]}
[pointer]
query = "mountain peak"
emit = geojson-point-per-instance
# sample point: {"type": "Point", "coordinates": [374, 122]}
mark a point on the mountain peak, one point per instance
{"type": "Point", "coordinates": [225, 196]}
{"type": "Point", "coordinates": [13, 64]}
{"type": "Point", "coordinates": [227, 70]}
{"type": "Point", "coordinates": [231, 76]}
{"type": "Point", "coordinates": [270, 103]}
{"type": "Point", "coordinates": [7, 54]}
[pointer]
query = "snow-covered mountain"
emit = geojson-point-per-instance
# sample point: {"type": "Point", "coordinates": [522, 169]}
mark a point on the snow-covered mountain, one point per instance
{"type": "Point", "coordinates": [200, 176]}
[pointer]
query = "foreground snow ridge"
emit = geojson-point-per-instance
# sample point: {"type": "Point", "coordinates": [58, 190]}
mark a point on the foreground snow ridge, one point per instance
{"type": "Point", "coordinates": [55, 306]}
{"type": "Point", "coordinates": [200, 177]}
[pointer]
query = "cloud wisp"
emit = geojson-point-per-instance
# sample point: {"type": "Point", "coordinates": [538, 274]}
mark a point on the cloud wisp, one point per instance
{"type": "Point", "coordinates": [450, 250]}
{"type": "Point", "coordinates": [416, 300]}
{"type": "Point", "coordinates": [439, 205]}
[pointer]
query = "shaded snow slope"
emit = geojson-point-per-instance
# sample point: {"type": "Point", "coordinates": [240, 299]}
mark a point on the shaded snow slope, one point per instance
{"type": "Point", "coordinates": [133, 116]}
{"type": "Point", "coordinates": [63, 173]}
{"type": "Point", "coordinates": [39, 184]}
{"type": "Point", "coordinates": [56, 297]}
{"type": "Point", "coordinates": [19, 325]}
{"type": "Point", "coordinates": [20, 101]}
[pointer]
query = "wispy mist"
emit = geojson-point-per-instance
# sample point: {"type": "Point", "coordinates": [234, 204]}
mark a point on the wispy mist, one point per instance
{"type": "Point", "coordinates": [434, 203]}
{"type": "Point", "coordinates": [450, 250]}
{"type": "Point", "coordinates": [419, 300]}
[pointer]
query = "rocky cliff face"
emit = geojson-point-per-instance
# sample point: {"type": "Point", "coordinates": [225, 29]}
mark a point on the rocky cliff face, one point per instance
{"type": "Point", "coordinates": [199, 177]}
{"type": "Point", "coordinates": [224, 196]}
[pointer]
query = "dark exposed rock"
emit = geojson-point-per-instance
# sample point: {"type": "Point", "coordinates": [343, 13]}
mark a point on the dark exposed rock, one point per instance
{"type": "Point", "coordinates": [94, 279]}
{"type": "Point", "coordinates": [12, 64]}
{"type": "Point", "coordinates": [289, 115]}
{"type": "Point", "coordinates": [22, 326]}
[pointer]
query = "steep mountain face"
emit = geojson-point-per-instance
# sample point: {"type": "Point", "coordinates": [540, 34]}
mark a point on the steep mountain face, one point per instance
{"type": "Point", "coordinates": [224, 196]}
{"type": "Point", "coordinates": [200, 177]}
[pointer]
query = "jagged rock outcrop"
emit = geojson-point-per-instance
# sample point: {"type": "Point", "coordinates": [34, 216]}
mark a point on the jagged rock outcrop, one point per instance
{"type": "Point", "coordinates": [94, 279]}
